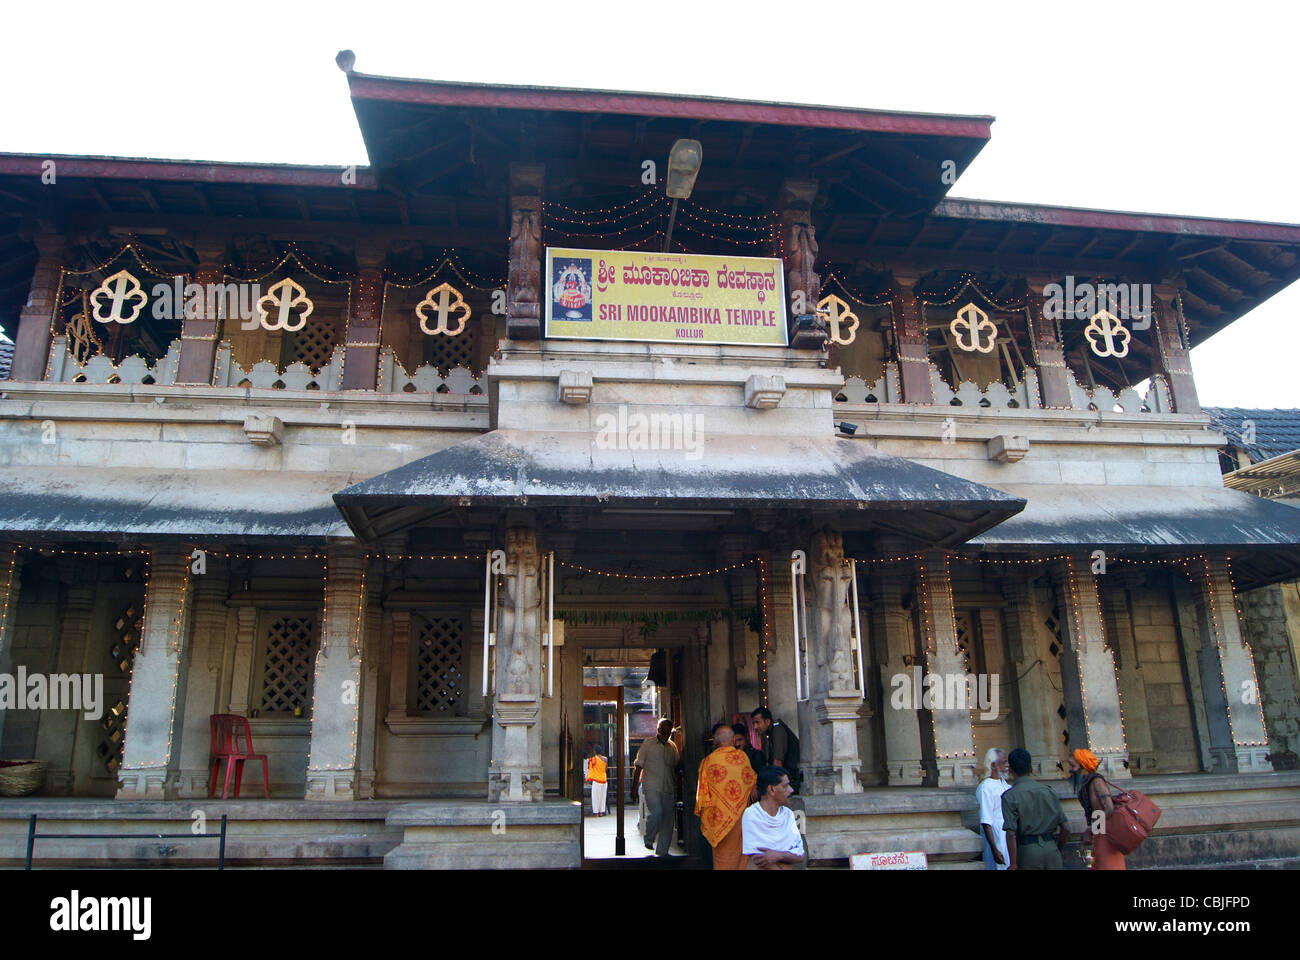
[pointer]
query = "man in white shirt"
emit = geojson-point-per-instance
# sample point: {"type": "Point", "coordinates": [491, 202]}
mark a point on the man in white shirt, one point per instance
{"type": "Point", "coordinates": [989, 795]}
{"type": "Point", "coordinates": [770, 833]}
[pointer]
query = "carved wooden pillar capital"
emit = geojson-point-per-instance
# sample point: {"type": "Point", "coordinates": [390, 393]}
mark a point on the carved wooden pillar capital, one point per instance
{"type": "Point", "coordinates": [803, 284]}
{"type": "Point", "coordinates": [1173, 343]}
{"type": "Point", "coordinates": [524, 282]}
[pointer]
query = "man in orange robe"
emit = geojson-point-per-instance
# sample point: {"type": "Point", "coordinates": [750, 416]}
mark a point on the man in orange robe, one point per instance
{"type": "Point", "coordinates": [726, 786]}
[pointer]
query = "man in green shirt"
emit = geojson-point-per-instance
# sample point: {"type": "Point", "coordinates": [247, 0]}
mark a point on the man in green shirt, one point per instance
{"type": "Point", "coordinates": [1031, 815]}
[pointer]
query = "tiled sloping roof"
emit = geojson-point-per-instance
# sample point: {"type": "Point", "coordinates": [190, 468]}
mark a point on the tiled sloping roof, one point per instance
{"type": "Point", "coordinates": [1276, 431]}
{"type": "Point", "coordinates": [6, 358]}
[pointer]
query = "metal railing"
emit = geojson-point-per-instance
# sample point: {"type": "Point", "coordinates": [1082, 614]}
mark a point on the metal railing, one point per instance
{"type": "Point", "coordinates": [219, 836]}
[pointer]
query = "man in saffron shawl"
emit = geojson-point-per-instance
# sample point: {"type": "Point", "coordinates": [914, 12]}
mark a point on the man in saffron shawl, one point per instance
{"type": "Point", "coordinates": [726, 786]}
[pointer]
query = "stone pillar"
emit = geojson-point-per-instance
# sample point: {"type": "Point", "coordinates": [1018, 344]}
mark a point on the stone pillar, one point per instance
{"type": "Point", "coordinates": [1238, 739]}
{"type": "Point", "coordinates": [1096, 697]}
{"type": "Point", "coordinates": [1174, 348]}
{"type": "Point", "coordinates": [337, 693]}
{"type": "Point", "coordinates": [361, 356]}
{"type": "Point", "coordinates": [156, 694]}
{"type": "Point", "coordinates": [891, 631]}
{"type": "Point", "coordinates": [241, 668]}
{"type": "Point", "coordinates": [202, 680]}
{"type": "Point", "coordinates": [32, 338]}
{"type": "Point", "coordinates": [1046, 348]}
{"type": "Point", "coordinates": [803, 285]}
{"type": "Point", "coordinates": [399, 658]}
{"type": "Point", "coordinates": [57, 729]}
{"type": "Point", "coordinates": [516, 769]}
{"type": "Point", "coordinates": [11, 564]}
{"type": "Point", "coordinates": [524, 281]}
{"type": "Point", "coordinates": [954, 739]}
{"type": "Point", "coordinates": [1029, 659]}
{"type": "Point", "coordinates": [911, 341]}
{"type": "Point", "coordinates": [1132, 685]}
{"type": "Point", "coordinates": [199, 333]}
{"type": "Point", "coordinates": [829, 756]}
{"type": "Point", "coordinates": [781, 693]}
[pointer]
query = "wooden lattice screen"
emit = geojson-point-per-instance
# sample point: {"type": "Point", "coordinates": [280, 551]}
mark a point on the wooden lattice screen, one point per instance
{"type": "Point", "coordinates": [440, 665]}
{"type": "Point", "coordinates": [287, 664]}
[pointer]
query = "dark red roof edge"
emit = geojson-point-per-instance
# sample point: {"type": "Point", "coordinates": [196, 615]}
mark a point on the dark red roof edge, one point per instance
{"type": "Point", "coordinates": [1008, 212]}
{"type": "Point", "coordinates": [189, 171]}
{"type": "Point", "coordinates": [446, 93]}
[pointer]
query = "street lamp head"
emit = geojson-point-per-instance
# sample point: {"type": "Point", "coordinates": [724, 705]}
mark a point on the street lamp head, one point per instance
{"type": "Point", "coordinates": [683, 167]}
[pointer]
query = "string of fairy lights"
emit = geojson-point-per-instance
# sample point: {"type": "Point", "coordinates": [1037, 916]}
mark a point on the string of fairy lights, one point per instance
{"type": "Point", "coordinates": [1197, 569]}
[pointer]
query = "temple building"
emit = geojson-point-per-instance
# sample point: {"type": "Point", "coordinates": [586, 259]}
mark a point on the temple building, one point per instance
{"type": "Point", "coordinates": [388, 460]}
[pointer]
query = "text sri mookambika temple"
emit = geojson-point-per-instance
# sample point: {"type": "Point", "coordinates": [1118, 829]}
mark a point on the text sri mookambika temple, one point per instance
{"type": "Point", "coordinates": [384, 459]}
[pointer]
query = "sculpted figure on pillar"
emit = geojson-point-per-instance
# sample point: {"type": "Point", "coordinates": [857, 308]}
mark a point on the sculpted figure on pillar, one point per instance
{"type": "Point", "coordinates": [831, 587]}
{"type": "Point", "coordinates": [801, 256]}
{"type": "Point", "coordinates": [524, 282]}
{"type": "Point", "coordinates": [521, 610]}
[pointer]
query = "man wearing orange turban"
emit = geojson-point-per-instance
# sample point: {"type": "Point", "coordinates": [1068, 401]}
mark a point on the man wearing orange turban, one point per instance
{"type": "Point", "coordinates": [1086, 759]}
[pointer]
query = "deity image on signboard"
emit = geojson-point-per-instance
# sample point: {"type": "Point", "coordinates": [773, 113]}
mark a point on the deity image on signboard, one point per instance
{"type": "Point", "coordinates": [571, 289]}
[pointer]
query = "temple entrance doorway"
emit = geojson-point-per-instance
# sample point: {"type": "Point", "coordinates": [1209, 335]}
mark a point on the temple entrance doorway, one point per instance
{"type": "Point", "coordinates": [659, 676]}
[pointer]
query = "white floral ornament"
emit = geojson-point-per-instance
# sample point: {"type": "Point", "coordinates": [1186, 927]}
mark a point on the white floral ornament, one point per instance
{"type": "Point", "coordinates": [1110, 331]}
{"type": "Point", "coordinates": [285, 295]}
{"type": "Point", "coordinates": [842, 321]}
{"type": "Point", "coordinates": [973, 320]}
{"type": "Point", "coordinates": [120, 290]}
{"type": "Point", "coordinates": [445, 299]}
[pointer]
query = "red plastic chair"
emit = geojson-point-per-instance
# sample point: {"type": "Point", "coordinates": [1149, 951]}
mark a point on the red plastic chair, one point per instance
{"type": "Point", "coordinates": [227, 728]}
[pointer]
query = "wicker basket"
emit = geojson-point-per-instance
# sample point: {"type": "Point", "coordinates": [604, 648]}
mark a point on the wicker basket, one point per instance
{"type": "Point", "coordinates": [26, 777]}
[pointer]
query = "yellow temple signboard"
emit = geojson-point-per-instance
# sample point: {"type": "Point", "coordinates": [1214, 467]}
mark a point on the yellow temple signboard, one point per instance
{"type": "Point", "coordinates": [678, 297]}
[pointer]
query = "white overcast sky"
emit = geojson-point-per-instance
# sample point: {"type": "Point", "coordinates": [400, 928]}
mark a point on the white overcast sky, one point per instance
{"type": "Point", "coordinates": [1186, 108]}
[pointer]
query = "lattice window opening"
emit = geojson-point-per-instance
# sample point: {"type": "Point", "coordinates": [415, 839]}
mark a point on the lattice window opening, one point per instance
{"type": "Point", "coordinates": [438, 666]}
{"type": "Point", "coordinates": [251, 341]}
{"type": "Point", "coordinates": [126, 638]}
{"type": "Point", "coordinates": [413, 348]}
{"type": "Point", "coordinates": [289, 652]}
{"type": "Point", "coordinates": [147, 337]}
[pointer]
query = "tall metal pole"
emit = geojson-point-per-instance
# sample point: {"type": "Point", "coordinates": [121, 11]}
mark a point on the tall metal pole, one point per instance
{"type": "Point", "coordinates": [620, 841]}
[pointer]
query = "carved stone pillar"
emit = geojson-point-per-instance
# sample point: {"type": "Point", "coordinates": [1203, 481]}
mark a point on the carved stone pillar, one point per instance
{"type": "Point", "coordinates": [803, 284]}
{"type": "Point", "coordinates": [1027, 642]}
{"type": "Point", "coordinates": [954, 739]}
{"type": "Point", "coordinates": [11, 564]}
{"type": "Point", "coordinates": [1046, 348]}
{"type": "Point", "coordinates": [202, 679]}
{"type": "Point", "coordinates": [398, 660]}
{"type": "Point", "coordinates": [337, 695]}
{"type": "Point", "coordinates": [241, 669]}
{"type": "Point", "coordinates": [516, 769]}
{"type": "Point", "coordinates": [361, 359]}
{"type": "Point", "coordinates": [57, 729]}
{"type": "Point", "coordinates": [199, 332]}
{"type": "Point", "coordinates": [1174, 349]}
{"type": "Point", "coordinates": [830, 762]}
{"type": "Point", "coordinates": [524, 282]}
{"type": "Point", "coordinates": [1229, 687]}
{"type": "Point", "coordinates": [910, 337]}
{"type": "Point", "coordinates": [891, 630]}
{"type": "Point", "coordinates": [157, 695]}
{"type": "Point", "coordinates": [1087, 667]}
{"type": "Point", "coordinates": [1132, 684]}
{"type": "Point", "coordinates": [32, 339]}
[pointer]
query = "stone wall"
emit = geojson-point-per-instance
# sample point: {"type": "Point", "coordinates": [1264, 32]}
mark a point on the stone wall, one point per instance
{"type": "Point", "coordinates": [1271, 628]}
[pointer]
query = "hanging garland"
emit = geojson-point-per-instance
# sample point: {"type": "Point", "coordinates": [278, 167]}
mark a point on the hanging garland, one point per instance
{"type": "Point", "coordinates": [652, 620]}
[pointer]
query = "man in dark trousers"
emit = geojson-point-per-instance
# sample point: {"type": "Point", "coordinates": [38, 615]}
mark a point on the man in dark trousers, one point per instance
{"type": "Point", "coordinates": [1033, 817]}
{"type": "Point", "coordinates": [780, 745]}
